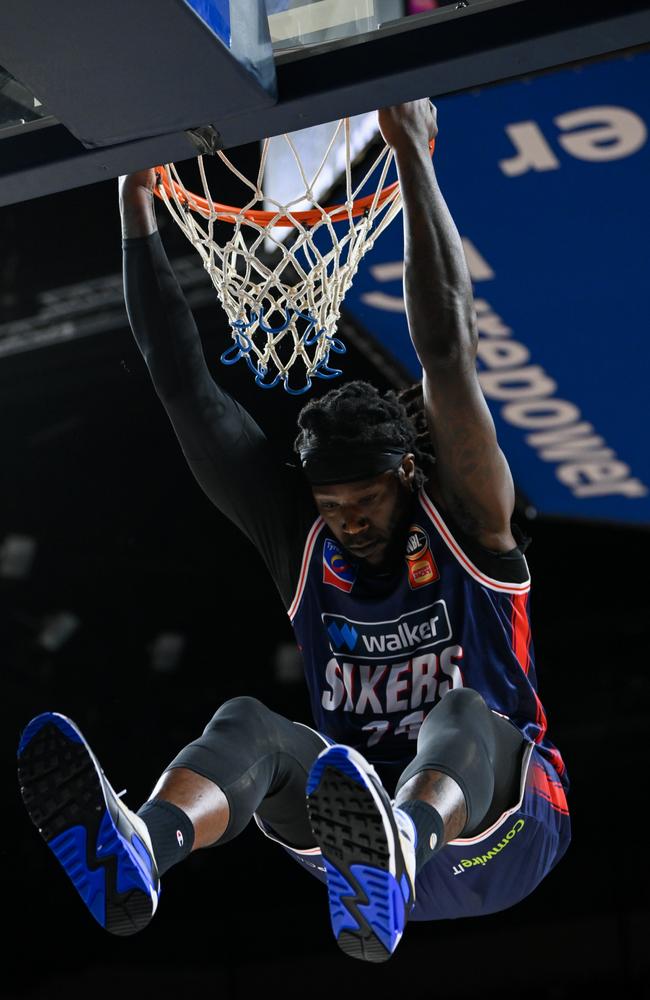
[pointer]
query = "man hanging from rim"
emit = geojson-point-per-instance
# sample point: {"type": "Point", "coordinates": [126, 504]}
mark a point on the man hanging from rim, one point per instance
{"type": "Point", "coordinates": [428, 788]}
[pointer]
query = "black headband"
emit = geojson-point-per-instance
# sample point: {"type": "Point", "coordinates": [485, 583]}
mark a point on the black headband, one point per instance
{"type": "Point", "coordinates": [325, 466]}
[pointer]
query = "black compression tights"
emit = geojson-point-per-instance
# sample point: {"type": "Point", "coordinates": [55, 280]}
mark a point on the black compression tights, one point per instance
{"type": "Point", "coordinates": [261, 760]}
{"type": "Point", "coordinates": [481, 751]}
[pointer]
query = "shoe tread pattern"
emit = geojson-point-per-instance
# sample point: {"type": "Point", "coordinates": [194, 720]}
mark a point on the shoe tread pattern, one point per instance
{"type": "Point", "coordinates": [64, 798]}
{"type": "Point", "coordinates": [351, 835]}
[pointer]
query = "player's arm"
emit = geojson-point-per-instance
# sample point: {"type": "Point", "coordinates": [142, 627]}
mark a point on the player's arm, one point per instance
{"type": "Point", "coordinates": [472, 475]}
{"type": "Point", "coordinates": [226, 450]}
{"type": "Point", "coordinates": [160, 318]}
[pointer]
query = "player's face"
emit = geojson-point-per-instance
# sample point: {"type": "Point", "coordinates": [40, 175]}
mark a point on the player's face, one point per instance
{"type": "Point", "coordinates": [369, 517]}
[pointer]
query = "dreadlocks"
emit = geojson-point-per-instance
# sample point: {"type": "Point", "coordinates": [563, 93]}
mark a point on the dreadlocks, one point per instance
{"type": "Point", "coordinates": [356, 414]}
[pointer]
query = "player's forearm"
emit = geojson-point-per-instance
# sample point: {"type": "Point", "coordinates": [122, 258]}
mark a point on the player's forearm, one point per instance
{"type": "Point", "coordinates": [437, 284]}
{"type": "Point", "coordinates": [137, 212]}
{"type": "Point", "coordinates": [161, 321]}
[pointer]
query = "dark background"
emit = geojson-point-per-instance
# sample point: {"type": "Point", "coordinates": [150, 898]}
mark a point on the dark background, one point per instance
{"type": "Point", "coordinates": [128, 543]}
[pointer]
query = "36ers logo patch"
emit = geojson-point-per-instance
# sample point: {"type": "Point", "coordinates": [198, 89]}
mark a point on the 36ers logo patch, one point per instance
{"type": "Point", "coordinates": [420, 563]}
{"type": "Point", "coordinates": [337, 571]}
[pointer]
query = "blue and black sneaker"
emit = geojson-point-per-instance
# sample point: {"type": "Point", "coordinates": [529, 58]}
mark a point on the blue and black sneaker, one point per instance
{"type": "Point", "coordinates": [368, 850]}
{"type": "Point", "coordinates": [104, 848]}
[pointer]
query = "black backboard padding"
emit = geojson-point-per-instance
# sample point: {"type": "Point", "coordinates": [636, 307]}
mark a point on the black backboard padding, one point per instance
{"type": "Point", "coordinates": [115, 71]}
{"type": "Point", "coordinates": [466, 52]}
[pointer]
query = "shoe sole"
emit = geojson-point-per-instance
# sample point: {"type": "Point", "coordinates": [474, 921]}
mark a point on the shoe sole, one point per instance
{"type": "Point", "coordinates": [367, 908]}
{"type": "Point", "coordinates": [64, 796]}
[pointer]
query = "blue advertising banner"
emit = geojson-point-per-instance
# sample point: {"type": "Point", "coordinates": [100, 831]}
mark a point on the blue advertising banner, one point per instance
{"type": "Point", "coordinates": [547, 180]}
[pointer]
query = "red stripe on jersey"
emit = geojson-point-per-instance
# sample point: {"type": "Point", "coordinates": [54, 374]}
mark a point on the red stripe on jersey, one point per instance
{"type": "Point", "coordinates": [550, 790]}
{"type": "Point", "coordinates": [521, 631]}
{"type": "Point", "coordinates": [556, 761]}
{"type": "Point", "coordinates": [520, 639]}
{"type": "Point", "coordinates": [540, 718]}
{"type": "Point", "coordinates": [553, 753]}
{"type": "Point", "coordinates": [555, 804]}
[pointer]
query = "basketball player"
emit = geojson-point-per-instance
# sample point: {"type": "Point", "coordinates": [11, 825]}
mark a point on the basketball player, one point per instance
{"type": "Point", "coordinates": [427, 788]}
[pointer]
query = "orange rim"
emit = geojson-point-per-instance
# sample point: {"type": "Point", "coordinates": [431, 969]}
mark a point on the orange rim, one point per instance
{"type": "Point", "coordinates": [264, 219]}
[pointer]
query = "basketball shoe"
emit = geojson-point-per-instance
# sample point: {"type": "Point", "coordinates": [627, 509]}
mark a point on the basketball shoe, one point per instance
{"type": "Point", "coordinates": [103, 847]}
{"type": "Point", "coordinates": [368, 850]}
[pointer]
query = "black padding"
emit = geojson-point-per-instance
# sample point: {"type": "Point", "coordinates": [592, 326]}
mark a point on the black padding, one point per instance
{"type": "Point", "coordinates": [260, 761]}
{"type": "Point", "coordinates": [462, 738]}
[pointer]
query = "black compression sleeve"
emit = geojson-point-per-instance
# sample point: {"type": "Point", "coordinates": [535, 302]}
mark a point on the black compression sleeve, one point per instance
{"type": "Point", "coordinates": [260, 761]}
{"type": "Point", "coordinates": [225, 449]}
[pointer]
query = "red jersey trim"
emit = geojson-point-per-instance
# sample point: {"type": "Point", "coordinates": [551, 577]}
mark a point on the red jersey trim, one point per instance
{"type": "Point", "coordinates": [549, 790]}
{"type": "Point", "coordinates": [309, 548]}
{"type": "Point", "coordinates": [520, 638]}
{"type": "Point", "coordinates": [464, 560]}
{"type": "Point", "coordinates": [556, 761]}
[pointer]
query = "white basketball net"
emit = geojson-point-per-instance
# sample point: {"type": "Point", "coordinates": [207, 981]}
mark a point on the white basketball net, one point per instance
{"type": "Point", "coordinates": [287, 310]}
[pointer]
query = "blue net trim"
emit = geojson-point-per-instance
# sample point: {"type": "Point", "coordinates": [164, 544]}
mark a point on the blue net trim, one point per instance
{"type": "Point", "coordinates": [243, 348]}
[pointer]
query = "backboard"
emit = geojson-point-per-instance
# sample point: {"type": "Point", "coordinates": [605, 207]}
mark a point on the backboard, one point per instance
{"type": "Point", "coordinates": [196, 73]}
{"type": "Point", "coordinates": [19, 109]}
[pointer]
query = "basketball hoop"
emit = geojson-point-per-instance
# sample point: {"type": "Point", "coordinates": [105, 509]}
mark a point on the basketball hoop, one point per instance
{"type": "Point", "coordinates": [284, 311]}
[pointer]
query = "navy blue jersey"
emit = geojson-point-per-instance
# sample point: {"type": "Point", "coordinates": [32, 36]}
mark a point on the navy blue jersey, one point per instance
{"type": "Point", "coordinates": [380, 650]}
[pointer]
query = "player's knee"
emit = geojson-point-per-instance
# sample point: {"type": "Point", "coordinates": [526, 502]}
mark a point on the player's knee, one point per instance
{"type": "Point", "coordinates": [244, 712]}
{"type": "Point", "coordinates": [456, 710]}
{"type": "Point", "coordinates": [462, 701]}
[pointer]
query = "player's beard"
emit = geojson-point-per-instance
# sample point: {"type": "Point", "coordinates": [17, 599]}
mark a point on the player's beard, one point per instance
{"type": "Point", "coordinates": [393, 538]}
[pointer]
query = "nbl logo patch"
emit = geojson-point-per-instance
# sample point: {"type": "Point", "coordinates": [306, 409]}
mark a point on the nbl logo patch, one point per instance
{"type": "Point", "coordinates": [420, 563]}
{"type": "Point", "coordinates": [337, 571]}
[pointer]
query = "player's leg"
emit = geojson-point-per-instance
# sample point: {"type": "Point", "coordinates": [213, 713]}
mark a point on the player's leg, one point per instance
{"type": "Point", "coordinates": [248, 760]}
{"type": "Point", "coordinates": [466, 763]}
{"type": "Point", "coordinates": [501, 863]}
{"type": "Point", "coordinates": [465, 772]}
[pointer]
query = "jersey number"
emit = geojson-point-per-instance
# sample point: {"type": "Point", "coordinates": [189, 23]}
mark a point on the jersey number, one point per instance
{"type": "Point", "coordinates": [409, 725]}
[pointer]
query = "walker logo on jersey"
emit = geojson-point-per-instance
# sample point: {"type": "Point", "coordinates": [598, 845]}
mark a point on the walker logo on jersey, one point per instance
{"type": "Point", "coordinates": [386, 640]}
{"type": "Point", "coordinates": [343, 636]}
{"type": "Point", "coordinates": [337, 571]}
{"type": "Point", "coordinates": [420, 563]}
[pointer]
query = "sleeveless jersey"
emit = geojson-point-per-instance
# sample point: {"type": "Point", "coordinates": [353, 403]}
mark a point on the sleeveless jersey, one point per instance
{"type": "Point", "coordinates": [380, 650]}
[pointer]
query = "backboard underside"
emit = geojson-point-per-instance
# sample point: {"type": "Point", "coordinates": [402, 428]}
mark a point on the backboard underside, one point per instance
{"type": "Point", "coordinates": [72, 114]}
